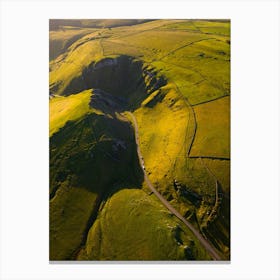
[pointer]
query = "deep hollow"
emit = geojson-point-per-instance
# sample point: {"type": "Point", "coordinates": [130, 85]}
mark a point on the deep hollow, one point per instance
{"type": "Point", "coordinates": [121, 83]}
{"type": "Point", "coordinates": [98, 152]}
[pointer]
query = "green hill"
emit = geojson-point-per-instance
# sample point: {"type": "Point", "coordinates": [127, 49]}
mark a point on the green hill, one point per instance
{"type": "Point", "coordinates": [173, 75]}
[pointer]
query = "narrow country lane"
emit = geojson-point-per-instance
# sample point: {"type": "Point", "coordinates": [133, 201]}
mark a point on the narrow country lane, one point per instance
{"type": "Point", "coordinates": [212, 252]}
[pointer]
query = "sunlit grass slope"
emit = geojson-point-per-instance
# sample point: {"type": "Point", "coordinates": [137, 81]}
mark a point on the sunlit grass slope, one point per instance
{"type": "Point", "coordinates": [221, 170]}
{"type": "Point", "coordinates": [61, 39]}
{"type": "Point", "coordinates": [156, 44]}
{"type": "Point", "coordinates": [56, 24]}
{"type": "Point", "coordinates": [162, 121]}
{"type": "Point", "coordinates": [220, 27]}
{"type": "Point", "coordinates": [175, 78]}
{"type": "Point", "coordinates": [70, 108]}
{"type": "Point", "coordinates": [209, 59]}
{"type": "Point", "coordinates": [123, 231]}
{"type": "Point", "coordinates": [70, 211]}
{"type": "Point", "coordinates": [86, 161]}
{"type": "Point", "coordinates": [213, 134]}
{"type": "Point", "coordinates": [72, 65]}
{"type": "Point", "coordinates": [198, 62]}
{"type": "Point", "coordinates": [166, 130]}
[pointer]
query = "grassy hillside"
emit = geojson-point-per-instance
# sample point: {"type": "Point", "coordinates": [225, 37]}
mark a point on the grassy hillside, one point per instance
{"type": "Point", "coordinates": [87, 158]}
{"type": "Point", "coordinates": [63, 38]}
{"type": "Point", "coordinates": [64, 70]}
{"type": "Point", "coordinates": [93, 23]}
{"type": "Point", "coordinates": [212, 135]}
{"type": "Point", "coordinates": [123, 231]}
{"type": "Point", "coordinates": [174, 76]}
{"type": "Point", "coordinates": [64, 109]}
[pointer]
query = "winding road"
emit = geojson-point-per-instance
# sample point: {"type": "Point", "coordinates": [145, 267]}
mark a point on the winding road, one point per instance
{"type": "Point", "coordinates": [208, 247]}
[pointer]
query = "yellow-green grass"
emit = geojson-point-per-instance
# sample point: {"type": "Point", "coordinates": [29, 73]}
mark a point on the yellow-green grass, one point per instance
{"type": "Point", "coordinates": [192, 86]}
{"type": "Point", "coordinates": [70, 210]}
{"type": "Point", "coordinates": [221, 170]}
{"type": "Point", "coordinates": [213, 129]}
{"type": "Point", "coordinates": [211, 71]}
{"type": "Point", "coordinates": [67, 33]}
{"type": "Point", "coordinates": [155, 43]}
{"type": "Point", "coordinates": [200, 69]}
{"type": "Point", "coordinates": [156, 24]}
{"type": "Point", "coordinates": [94, 23]}
{"type": "Point", "coordinates": [61, 39]}
{"type": "Point", "coordinates": [95, 35]}
{"type": "Point", "coordinates": [127, 31]}
{"type": "Point", "coordinates": [103, 23]}
{"type": "Point", "coordinates": [186, 25]}
{"type": "Point", "coordinates": [213, 48]}
{"type": "Point", "coordinates": [216, 27]}
{"type": "Point", "coordinates": [72, 107]}
{"type": "Point", "coordinates": [73, 64]}
{"type": "Point", "coordinates": [173, 72]}
{"type": "Point", "coordinates": [210, 48]}
{"type": "Point", "coordinates": [193, 174]}
{"type": "Point", "coordinates": [165, 132]}
{"type": "Point", "coordinates": [85, 164]}
{"type": "Point", "coordinates": [112, 47]}
{"type": "Point", "coordinates": [135, 226]}
{"type": "Point", "coordinates": [162, 131]}
{"type": "Point", "coordinates": [209, 59]}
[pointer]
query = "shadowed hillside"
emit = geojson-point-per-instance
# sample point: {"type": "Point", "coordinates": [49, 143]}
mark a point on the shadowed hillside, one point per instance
{"type": "Point", "coordinates": [94, 23]}
{"type": "Point", "coordinates": [169, 81]}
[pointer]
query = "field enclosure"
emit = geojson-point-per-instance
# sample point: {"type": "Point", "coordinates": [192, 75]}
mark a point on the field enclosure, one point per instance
{"type": "Point", "coordinates": [139, 125]}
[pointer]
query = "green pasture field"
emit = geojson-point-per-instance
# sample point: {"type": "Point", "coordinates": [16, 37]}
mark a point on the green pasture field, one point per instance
{"type": "Point", "coordinates": [61, 39]}
{"type": "Point", "coordinates": [63, 109]}
{"type": "Point", "coordinates": [152, 234]}
{"type": "Point", "coordinates": [213, 129]}
{"type": "Point", "coordinates": [174, 76]}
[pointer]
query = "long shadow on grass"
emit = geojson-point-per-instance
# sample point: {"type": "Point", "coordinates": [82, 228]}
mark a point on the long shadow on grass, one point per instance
{"type": "Point", "coordinates": [96, 153]}
{"type": "Point", "coordinates": [122, 83]}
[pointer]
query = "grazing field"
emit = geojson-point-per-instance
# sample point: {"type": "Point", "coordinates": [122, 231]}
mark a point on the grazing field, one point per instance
{"type": "Point", "coordinates": [63, 109]}
{"type": "Point", "coordinates": [63, 38]}
{"type": "Point", "coordinates": [161, 147]}
{"type": "Point", "coordinates": [152, 234]}
{"type": "Point", "coordinates": [213, 135]}
{"type": "Point", "coordinates": [139, 139]}
{"type": "Point", "coordinates": [70, 209]}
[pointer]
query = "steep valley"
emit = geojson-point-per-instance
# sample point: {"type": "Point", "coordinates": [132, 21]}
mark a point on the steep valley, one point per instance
{"type": "Point", "coordinates": [101, 207]}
